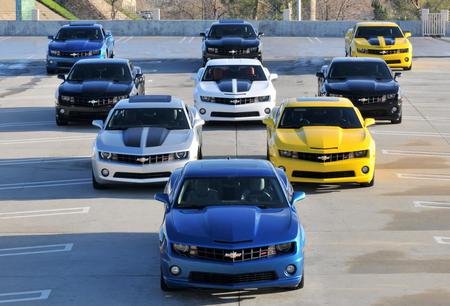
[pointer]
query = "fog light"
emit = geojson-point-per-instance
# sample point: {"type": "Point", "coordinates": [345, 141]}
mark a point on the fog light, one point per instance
{"type": "Point", "coordinates": [365, 169]}
{"type": "Point", "coordinates": [61, 111]}
{"type": "Point", "coordinates": [406, 59]}
{"type": "Point", "coordinates": [105, 172]}
{"type": "Point", "coordinates": [290, 269]}
{"type": "Point", "coordinates": [175, 270]}
{"type": "Point", "coordinates": [394, 109]}
{"type": "Point", "coordinates": [202, 111]}
{"type": "Point", "coordinates": [50, 61]}
{"type": "Point", "coordinates": [267, 110]}
{"type": "Point", "coordinates": [282, 168]}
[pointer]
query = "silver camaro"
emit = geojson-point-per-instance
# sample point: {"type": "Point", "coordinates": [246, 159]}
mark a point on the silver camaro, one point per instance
{"type": "Point", "coordinates": [144, 139]}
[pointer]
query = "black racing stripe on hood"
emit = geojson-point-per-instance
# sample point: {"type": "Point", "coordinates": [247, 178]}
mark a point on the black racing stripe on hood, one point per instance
{"type": "Point", "coordinates": [132, 137]}
{"type": "Point", "coordinates": [225, 85]}
{"type": "Point", "coordinates": [389, 41]}
{"type": "Point", "coordinates": [374, 41]}
{"type": "Point", "coordinates": [156, 136]}
{"type": "Point", "coordinates": [241, 85]}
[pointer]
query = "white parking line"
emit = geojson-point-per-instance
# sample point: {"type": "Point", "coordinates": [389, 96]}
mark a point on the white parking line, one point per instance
{"type": "Point", "coordinates": [430, 204]}
{"type": "Point", "coordinates": [318, 39]}
{"type": "Point", "coordinates": [37, 249]}
{"type": "Point", "coordinates": [4, 38]}
{"type": "Point", "coordinates": [432, 177]}
{"type": "Point", "coordinates": [182, 40]}
{"type": "Point", "coordinates": [44, 213]}
{"type": "Point", "coordinates": [120, 39]}
{"type": "Point", "coordinates": [442, 240]}
{"type": "Point", "coordinates": [53, 139]}
{"type": "Point", "coordinates": [24, 296]}
{"type": "Point", "coordinates": [421, 134]}
{"type": "Point", "coordinates": [416, 153]}
{"type": "Point", "coordinates": [42, 161]}
{"type": "Point", "coordinates": [43, 184]}
{"type": "Point", "coordinates": [309, 39]}
{"type": "Point", "coordinates": [29, 123]}
{"type": "Point", "coordinates": [128, 39]}
{"type": "Point", "coordinates": [191, 39]}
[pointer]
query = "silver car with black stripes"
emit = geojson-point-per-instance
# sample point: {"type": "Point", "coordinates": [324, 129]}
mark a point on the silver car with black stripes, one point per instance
{"type": "Point", "coordinates": [144, 139]}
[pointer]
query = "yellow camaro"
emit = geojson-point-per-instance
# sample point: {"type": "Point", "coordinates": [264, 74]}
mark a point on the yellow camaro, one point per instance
{"type": "Point", "coordinates": [380, 39]}
{"type": "Point", "coordinates": [321, 140]}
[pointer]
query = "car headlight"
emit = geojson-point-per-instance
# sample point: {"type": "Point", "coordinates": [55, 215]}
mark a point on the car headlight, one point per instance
{"type": "Point", "coordinates": [263, 98]}
{"type": "Point", "coordinates": [362, 50]}
{"type": "Point", "coordinates": [180, 248]}
{"type": "Point", "coordinates": [67, 99]}
{"type": "Point", "coordinates": [95, 52]}
{"type": "Point", "coordinates": [404, 50]}
{"type": "Point", "coordinates": [118, 98]}
{"type": "Point", "coordinates": [254, 49]}
{"type": "Point", "coordinates": [390, 96]}
{"type": "Point", "coordinates": [284, 153]}
{"type": "Point", "coordinates": [105, 155]}
{"type": "Point", "coordinates": [213, 50]}
{"type": "Point", "coordinates": [55, 52]}
{"type": "Point", "coordinates": [358, 154]}
{"type": "Point", "coordinates": [284, 247]}
{"type": "Point", "coordinates": [208, 99]}
{"type": "Point", "coordinates": [181, 155]}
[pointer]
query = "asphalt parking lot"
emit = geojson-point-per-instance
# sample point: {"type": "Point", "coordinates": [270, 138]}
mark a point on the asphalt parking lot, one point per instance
{"type": "Point", "coordinates": [64, 243]}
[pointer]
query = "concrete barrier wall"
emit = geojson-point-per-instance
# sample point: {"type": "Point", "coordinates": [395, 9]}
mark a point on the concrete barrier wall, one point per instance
{"type": "Point", "coordinates": [194, 27]}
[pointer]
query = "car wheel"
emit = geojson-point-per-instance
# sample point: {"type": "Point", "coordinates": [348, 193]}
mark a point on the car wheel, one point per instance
{"type": "Point", "coordinates": [267, 152]}
{"type": "Point", "coordinates": [301, 284]}
{"type": "Point", "coordinates": [163, 285]}
{"type": "Point", "coordinates": [397, 120]}
{"type": "Point", "coordinates": [96, 184]}
{"type": "Point", "coordinates": [51, 71]}
{"type": "Point", "coordinates": [205, 60]}
{"type": "Point", "coordinates": [200, 153]}
{"type": "Point", "coordinates": [61, 122]}
{"type": "Point", "coordinates": [369, 184]}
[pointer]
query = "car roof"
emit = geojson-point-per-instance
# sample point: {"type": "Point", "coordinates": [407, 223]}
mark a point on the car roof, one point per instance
{"type": "Point", "coordinates": [318, 101]}
{"type": "Point", "coordinates": [228, 167]}
{"type": "Point", "coordinates": [357, 59]}
{"type": "Point", "coordinates": [233, 61]}
{"type": "Point", "coordinates": [83, 24]}
{"type": "Point", "coordinates": [377, 24]}
{"type": "Point", "coordinates": [103, 61]}
{"type": "Point", "coordinates": [151, 101]}
{"type": "Point", "coordinates": [231, 21]}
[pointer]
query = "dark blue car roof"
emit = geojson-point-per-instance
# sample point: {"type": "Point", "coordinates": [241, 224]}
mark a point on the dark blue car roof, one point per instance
{"type": "Point", "coordinates": [231, 167]}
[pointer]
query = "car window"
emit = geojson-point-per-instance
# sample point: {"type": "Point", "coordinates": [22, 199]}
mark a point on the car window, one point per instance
{"type": "Point", "coordinates": [73, 33]}
{"type": "Point", "coordinates": [298, 117]}
{"type": "Point", "coordinates": [369, 32]}
{"type": "Point", "coordinates": [101, 71]}
{"type": "Point", "coordinates": [364, 70]}
{"type": "Point", "coordinates": [169, 118]}
{"type": "Point", "coordinates": [231, 30]}
{"type": "Point", "coordinates": [244, 72]}
{"type": "Point", "coordinates": [201, 192]}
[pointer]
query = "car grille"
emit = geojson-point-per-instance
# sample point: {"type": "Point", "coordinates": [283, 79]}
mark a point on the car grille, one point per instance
{"type": "Point", "coordinates": [235, 101]}
{"type": "Point", "coordinates": [323, 175]}
{"type": "Point", "coordinates": [393, 61]}
{"type": "Point", "coordinates": [75, 54]}
{"type": "Point", "coordinates": [234, 115]}
{"type": "Point", "coordinates": [325, 158]}
{"type": "Point", "coordinates": [216, 278]}
{"type": "Point", "coordinates": [141, 160]}
{"type": "Point", "coordinates": [90, 101]}
{"type": "Point", "coordinates": [387, 52]}
{"type": "Point", "coordinates": [239, 255]}
{"type": "Point", "coordinates": [232, 52]}
{"type": "Point", "coordinates": [368, 100]}
{"type": "Point", "coordinates": [141, 176]}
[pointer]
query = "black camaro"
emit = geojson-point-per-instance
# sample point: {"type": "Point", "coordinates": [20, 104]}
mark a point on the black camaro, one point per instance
{"type": "Point", "coordinates": [367, 82]}
{"type": "Point", "coordinates": [94, 86]}
{"type": "Point", "coordinates": [231, 39]}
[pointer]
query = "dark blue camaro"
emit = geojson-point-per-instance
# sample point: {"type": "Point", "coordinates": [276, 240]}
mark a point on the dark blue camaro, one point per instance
{"type": "Point", "coordinates": [230, 224]}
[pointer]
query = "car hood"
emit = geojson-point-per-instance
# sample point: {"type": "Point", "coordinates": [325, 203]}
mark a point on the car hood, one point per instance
{"type": "Point", "coordinates": [322, 137]}
{"type": "Point", "coordinates": [234, 86]}
{"type": "Point", "coordinates": [232, 43]}
{"type": "Point", "coordinates": [231, 225]}
{"type": "Point", "coordinates": [76, 45]}
{"type": "Point", "coordinates": [360, 87]}
{"type": "Point", "coordinates": [144, 140]}
{"type": "Point", "coordinates": [382, 42]}
{"type": "Point", "coordinates": [95, 88]}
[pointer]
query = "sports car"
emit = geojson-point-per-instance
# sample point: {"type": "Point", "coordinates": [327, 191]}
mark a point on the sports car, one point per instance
{"type": "Point", "coordinates": [230, 224]}
{"type": "Point", "coordinates": [76, 41]}
{"type": "Point", "coordinates": [234, 90]}
{"type": "Point", "coordinates": [144, 139]}
{"type": "Point", "coordinates": [384, 40]}
{"type": "Point", "coordinates": [321, 140]}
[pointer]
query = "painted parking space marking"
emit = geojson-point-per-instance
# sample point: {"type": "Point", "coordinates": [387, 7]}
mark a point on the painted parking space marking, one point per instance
{"type": "Point", "coordinates": [318, 39]}
{"type": "Point", "coordinates": [120, 39]}
{"type": "Point", "coordinates": [43, 184]}
{"type": "Point", "coordinates": [182, 40]}
{"type": "Point", "coordinates": [420, 134]}
{"type": "Point", "coordinates": [432, 177]}
{"type": "Point", "coordinates": [127, 39]}
{"type": "Point", "coordinates": [442, 240]}
{"type": "Point", "coordinates": [310, 40]}
{"type": "Point", "coordinates": [36, 249]}
{"type": "Point", "coordinates": [431, 204]}
{"type": "Point", "coordinates": [24, 296]}
{"type": "Point", "coordinates": [44, 213]}
{"type": "Point", "coordinates": [416, 153]}
{"type": "Point", "coordinates": [191, 39]}
{"type": "Point", "coordinates": [4, 38]}
{"type": "Point", "coordinates": [43, 140]}
{"type": "Point", "coordinates": [24, 161]}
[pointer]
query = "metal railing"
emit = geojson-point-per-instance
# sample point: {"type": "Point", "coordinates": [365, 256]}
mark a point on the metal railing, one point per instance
{"type": "Point", "coordinates": [434, 24]}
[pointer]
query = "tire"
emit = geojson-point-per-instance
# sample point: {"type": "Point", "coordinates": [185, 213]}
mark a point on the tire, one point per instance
{"type": "Point", "coordinates": [369, 184]}
{"type": "Point", "coordinates": [61, 122]}
{"type": "Point", "coordinates": [163, 284]}
{"type": "Point", "coordinates": [267, 152]}
{"type": "Point", "coordinates": [397, 121]}
{"type": "Point", "coordinates": [96, 184]}
{"type": "Point", "coordinates": [51, 71]}
{"type": "Point", "coordinates": [301, 284]}
{"type": "Point", "coordinates": [204, 60]}
{"type": "Point", "coordinates": [200, 153]}
{"type": "Point", "coordinates": [407, 68]}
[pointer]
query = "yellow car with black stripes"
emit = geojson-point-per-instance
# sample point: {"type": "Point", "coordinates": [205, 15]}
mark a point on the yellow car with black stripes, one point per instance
{"type": "Point", "coordinates": [384, 40]}
{"type": "Point", "coordinates": [321, 140]}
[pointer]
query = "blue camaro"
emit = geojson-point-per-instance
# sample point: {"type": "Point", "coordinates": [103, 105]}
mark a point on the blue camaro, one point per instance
{"type": "Point", "coordinates": [231, 224]}
{"type": "Point", "coordinates": [76, 41]}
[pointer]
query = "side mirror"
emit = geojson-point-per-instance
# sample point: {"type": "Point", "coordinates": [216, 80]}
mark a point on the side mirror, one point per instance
{"type": "Point", "coordinates": [269, 122]}
{"type": "Point", "coordinates": [198, 122]}
{"type": "Point", "coordinates": [108, 34]}
{"type": "Point", "coordinates": [139, 75]}
{"type": "Point", "coordinates": [162, 197]}
{"type": "Point", "coordinates": [260, 34]}
{"type": "Point", "coordinates": [61, 77]}
{"type": "Point", "coordinates": [320, 74]}
{"type": "Point", "coordinates": [51, 37]}
{"type": "Point", "coordinates": [408, 34]}
{"type": "Point", "coordinates": [98, 123]}
{"type": "Point", "coordinates": [397, 75]}
{"type": "Point", "coordinates": [369, 122]}
{"type": "Point", "coordinates": [273, 76]}
{"type": "Point", "coordinates": [297, 197]}
{"type": "Point", "coordinates": [202, 34]}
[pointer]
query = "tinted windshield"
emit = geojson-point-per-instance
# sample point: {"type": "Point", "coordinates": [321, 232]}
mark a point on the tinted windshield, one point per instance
{"type": "Point", "coordinates": [364, 70]}
{"type": "Point", "coordinates": [244, 72]}
{"type": "Point", "coordinates": [79, 33]}
{"type": "Point", "coordinates": [231, 30]}
{"type": "Point", "coordinates": [368, 32]}
{"type": "Point", "coordinates": [106, 71]}
{"type": "Point", "coordinates": [298, 117]}
{"type": "Point", "coordinates": [264, 192]}
{"type": "Point", "coordinates": [169, 118]}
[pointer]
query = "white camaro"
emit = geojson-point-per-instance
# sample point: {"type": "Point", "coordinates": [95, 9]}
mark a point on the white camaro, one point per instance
{"type": "Point", "coordinates": [144, 139]}
{"type": "Point", "coordinates": [234, 90]}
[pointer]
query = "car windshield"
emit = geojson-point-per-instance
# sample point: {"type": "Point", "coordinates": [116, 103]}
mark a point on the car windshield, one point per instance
{"type": "Point", "coordinates": [79, 33]}
{"type": "Point", "coordinates": [362, 70]}
{"type": "Point", "coordinates": [169, 118]}
{"type": "Point", "coordinates": [298, 117]}
{"type": "Point", "coordinates": [101, 71]}
{"type": "Point", "coordinates": [368, 32]}
{"type": "Point", "coordinates": [231, 30]}
{"type": "Point", "coordinates": [201, 192]}
{"type": "Point", "coordinates": [243, 72]}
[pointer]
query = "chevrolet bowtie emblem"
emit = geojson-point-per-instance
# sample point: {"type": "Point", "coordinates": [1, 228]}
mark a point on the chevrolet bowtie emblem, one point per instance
{"type": "Point", "coordinates": [92, 102]}
{"type": "Point", "coordinates": [233, 51]}
{"type": "Point", "coordinates": [142, 160]}
{"type": "Point", "coordinates": [235, 101]}
{"type": "Point", "coordinates": [383, 52]}
{"type": "Point", "coordinates": [363, 100]}
{"type": "Point", "coordinates": [233, 255]}
{"type": "Point", "coordinates": [323, 157]}
{"type": "Point", "coordinates": [73, 54]}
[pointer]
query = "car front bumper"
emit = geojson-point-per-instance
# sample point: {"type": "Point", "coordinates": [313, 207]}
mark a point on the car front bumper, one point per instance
{"type": "Point", "coordinates": [225, 112]}
{"type": "Point", "coordinates": [81, 113]}
{"type": "Point", "coordinates": [398, 60]}
{"type": "Point", "coordinates": [65, 63]}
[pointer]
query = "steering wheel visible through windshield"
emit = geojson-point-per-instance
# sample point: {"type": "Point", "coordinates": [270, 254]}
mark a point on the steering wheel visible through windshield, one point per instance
{"type": "Point", "coordinates": [201, 192]}
{"type": "Point", "coordinates": [368, 32]}
{"type": "Point", "coordinates": [169, 118]}
{"type": "Point", "coordinates": [79, 33]}
{"type": "Point", "coordinates": [104, 72]}
{"type": "Point", "coordinates": [363, 70]}
{"type": "Point", "coordinates": [298, 117]}
{"type": "Point", "coordinates": [231, 30]}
